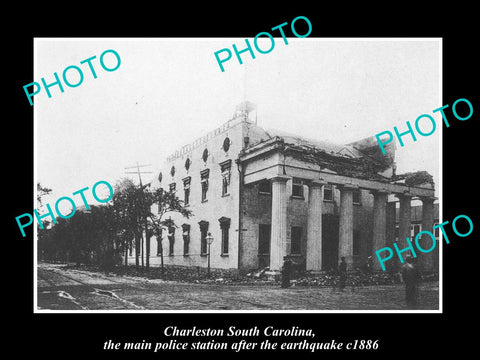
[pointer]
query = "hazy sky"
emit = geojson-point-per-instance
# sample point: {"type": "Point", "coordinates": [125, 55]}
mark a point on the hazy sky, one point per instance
{"type": "Point", "coordinates": [168, 92]}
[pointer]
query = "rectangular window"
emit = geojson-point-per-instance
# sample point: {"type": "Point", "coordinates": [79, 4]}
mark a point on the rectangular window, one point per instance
{"type": "Point", "coordinates": [297, 187]}
{"type": "Point", "coordinates": [357, 196]}
{"type": "Point", "coordinates": [226, 174]}
{"type": "Point", "coordinates": [186, 190]}
{"type": "Point", "coordinates": [436, 230]}
{"type": "Point", "coordinates": [203, 237]}
{"type": "Point", "coordinates": [328, 192]}
{"type": "Point", "coordinates": [186, 238]}
{"type": "Point", "coordinates": [264, 187]}
{"type": "Point", "coordinates": [224, 227]}
{"type": "Point", "coordinates": [414, 230]}
{"type": "Point", "coordinates": [356, 242]}
{"type": "Point", "coordinates": [263, 239]}
{"type": "Point", "coordinates": [171, 241]}
{"type": "Point", "coordinates": [397, 232]}
{"type": "Point", "coordinates": [204, 175]}
{"type": "Point", "coordinates": [296, 240]}
{"type": "Point", "coordinates": [173, 187]}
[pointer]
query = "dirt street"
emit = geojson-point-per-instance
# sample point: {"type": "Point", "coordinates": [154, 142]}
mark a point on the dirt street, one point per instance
{"type": "Point", "coordinates": [71, 289]}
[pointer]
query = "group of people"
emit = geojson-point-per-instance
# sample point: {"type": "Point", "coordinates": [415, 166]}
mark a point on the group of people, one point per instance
{"type": "Point", "coordinates": [409, 271]}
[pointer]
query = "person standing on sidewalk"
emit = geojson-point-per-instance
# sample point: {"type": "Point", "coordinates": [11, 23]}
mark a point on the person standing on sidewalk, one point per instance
{"type": "Point", "coordinates": [286, 272]}
{"type": "Point", "coordinates": [411, 278]}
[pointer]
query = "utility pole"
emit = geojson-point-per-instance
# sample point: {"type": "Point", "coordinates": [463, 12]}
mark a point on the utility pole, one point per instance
{"type": "Point", "coordinates": [146, 229]}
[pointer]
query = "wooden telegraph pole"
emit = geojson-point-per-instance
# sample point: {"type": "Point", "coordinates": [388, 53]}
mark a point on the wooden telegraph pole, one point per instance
{"type": "Point", "coordinates": [147, 238]}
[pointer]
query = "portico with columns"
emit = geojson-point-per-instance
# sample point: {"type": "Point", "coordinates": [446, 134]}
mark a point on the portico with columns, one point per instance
{"type": "Point", "coordinates": [280, 163]}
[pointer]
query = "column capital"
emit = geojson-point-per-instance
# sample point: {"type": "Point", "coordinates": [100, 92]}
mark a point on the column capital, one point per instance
{"type": "Point", "coordinates": [427, 198]}
{"type": "Point", "coordinates": [280, 178]}
{"type": "Point", "coordinates": [404, 195]}
{"type": "Point", "coordinates": [347, 186]}
{"type": "Point", "coordinates": [317, 183]}
{"type": "Point", "coordinates": [379, 192]}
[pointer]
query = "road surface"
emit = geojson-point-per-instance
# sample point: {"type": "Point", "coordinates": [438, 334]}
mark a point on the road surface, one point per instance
{"type": "Point", "coordinates": [72, 289]}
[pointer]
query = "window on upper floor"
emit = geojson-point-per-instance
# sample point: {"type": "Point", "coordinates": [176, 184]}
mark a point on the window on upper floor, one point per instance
{"type": "Point", "coordinates": [297, 187]}
{"type": "Point", "coordinates": [328, 192]}
{"type": "Point", "coordinates": [204, 176]}
{"type": "Point", "coordinates": [226, 168]}
{"type": "Point", "coordinates": [186, 190]}
{"type": "Point", "coordinates": [265, 187]}
{"type": "Point", "coordinates": [357, 196]}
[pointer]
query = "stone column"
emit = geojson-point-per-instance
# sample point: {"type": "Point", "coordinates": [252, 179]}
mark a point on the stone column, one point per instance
{"type": "Point", "coordinates": [391, 226]}
{"type": "Point", "coordinates": [425, 242]}
{"type": "Point", "coordinates": [379, 223]}
{"type": "Point", "coordinates": [278, 238]}
{"type": "Point", "coordinates": [345, 238]}
{"type": "Point", "coordinates": [404, 221]}
{"type": "Point", "coordinates": [314, 226]}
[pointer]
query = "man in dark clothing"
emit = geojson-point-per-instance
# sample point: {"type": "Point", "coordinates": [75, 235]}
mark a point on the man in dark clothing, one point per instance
{"type": "Point", "coordinates": [342, 269]}
{"type": "Point", "coordinates": [286, 272]}
{"type": "Point", "coordinates": [411, 278]}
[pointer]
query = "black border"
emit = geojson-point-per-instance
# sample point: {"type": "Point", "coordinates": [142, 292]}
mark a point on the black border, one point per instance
{"type": "Point", "coordinates": [403, 334]}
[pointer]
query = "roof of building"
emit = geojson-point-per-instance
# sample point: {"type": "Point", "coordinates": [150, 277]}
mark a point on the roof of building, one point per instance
{"type": "Point", "coordinates": [359, 159]}
{"type": "Point", "coordinates": [329, 147]}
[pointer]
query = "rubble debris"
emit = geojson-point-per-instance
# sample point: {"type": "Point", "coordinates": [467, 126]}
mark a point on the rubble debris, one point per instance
{"type": "Point", "coordinates": [258, 277]}
{"type": "Point", "coordinates": [415, 178]}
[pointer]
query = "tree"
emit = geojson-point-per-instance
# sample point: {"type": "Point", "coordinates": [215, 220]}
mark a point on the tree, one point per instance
{"type": "Point", "coordinates": [167, 202]}
{"type": "Point", "coordinates": [133, 207]}
{"type": "Point", "coordinates": [101, 234]}
{"type": "Point", "coordinates": [131, 211]}
{"type": "Point", "coordinates": [41, 233]}
{"type": "Point", "coordinates": [41, 191]}
{"type": "Point", "coordinates": [89, 236]}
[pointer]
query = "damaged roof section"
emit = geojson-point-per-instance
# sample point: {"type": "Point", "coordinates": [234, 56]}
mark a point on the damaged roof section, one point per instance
{"type": "Point", "coordinates": [417, 178]}
{"type": "Point", "coordinates": [360, 159]}
{"type": "Point", "coordinates": [340, 163]}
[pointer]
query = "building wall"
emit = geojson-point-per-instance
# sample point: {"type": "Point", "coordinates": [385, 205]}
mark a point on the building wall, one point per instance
{"type": "Point", "coordinates": [215, 206]}
{"type": "Point", "coordinates": [256, 209]}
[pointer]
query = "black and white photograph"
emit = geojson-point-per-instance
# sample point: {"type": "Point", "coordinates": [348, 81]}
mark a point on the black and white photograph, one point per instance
{"type": "Point", "coordinates": [262, 187]}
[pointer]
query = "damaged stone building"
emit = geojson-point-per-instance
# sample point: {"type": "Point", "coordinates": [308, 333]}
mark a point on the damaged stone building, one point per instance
{"type": "Point", "coordinates": [263, 194]}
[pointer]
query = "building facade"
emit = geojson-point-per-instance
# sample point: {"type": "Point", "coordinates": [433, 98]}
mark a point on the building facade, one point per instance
{"type": "Point", "coordinates": [263, 194]}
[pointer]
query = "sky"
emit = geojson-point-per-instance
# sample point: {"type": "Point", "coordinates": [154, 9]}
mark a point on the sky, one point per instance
{"type": "Point", "coordinates": [169, 91]}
